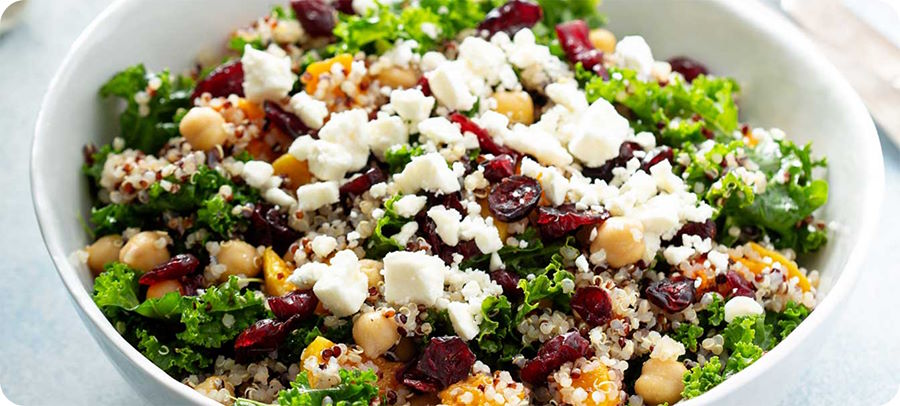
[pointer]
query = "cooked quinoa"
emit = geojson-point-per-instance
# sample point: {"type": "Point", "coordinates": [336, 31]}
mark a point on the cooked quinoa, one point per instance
{"type": "Point", "coordinates": [459, 202]}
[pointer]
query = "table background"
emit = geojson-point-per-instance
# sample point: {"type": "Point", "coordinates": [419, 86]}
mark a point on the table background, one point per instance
{"type": "Point", "coordinates": [47, 356]}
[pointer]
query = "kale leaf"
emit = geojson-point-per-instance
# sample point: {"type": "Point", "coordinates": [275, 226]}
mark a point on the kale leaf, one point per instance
{"type": "Point", "coordinates": [702, 378]}
{"type": "Point", "coordinates": [543, 287]}
{"type": "Point", "coordinates": [357, 388]}
{"type": "Point", "coordinates": [380, 242]}
{"type": "Point", "coordinates": [397, 157]}
{"type": "Point", "coordinates": [220, 314]}
{"type": "Point", "coordinates": [689, 335]}
{"type": "Point", "coordinates": [497, 339]}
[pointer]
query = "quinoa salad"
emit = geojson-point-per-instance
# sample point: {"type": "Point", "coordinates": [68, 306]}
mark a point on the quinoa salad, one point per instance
{"type": "Point", "coordinates": [457, 202]}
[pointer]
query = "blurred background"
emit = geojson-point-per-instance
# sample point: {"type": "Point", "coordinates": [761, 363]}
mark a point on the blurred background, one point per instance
{"type": "Point", "coordinates": [47, 356]}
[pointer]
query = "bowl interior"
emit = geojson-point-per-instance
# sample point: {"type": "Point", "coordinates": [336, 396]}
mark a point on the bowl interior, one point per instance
{"type": "Point", "coordinates": [784, 85]}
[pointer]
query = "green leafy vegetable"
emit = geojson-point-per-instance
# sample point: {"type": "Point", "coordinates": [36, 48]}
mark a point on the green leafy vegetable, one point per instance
{"type": "Point", "coordinates": [397, 157]}
{"type": "Point", "coordinates": [497, 339]}
{"type": "Point", "coordinates": [116, 288]}
{"type": "Point", "coordinates": [543, 287]}
{"type": "Point", "coordinates": [714, 313]}
{"type": "Point", "coordinates": [688, 334]}
{"type": "Point", "coordinates": [206, 319]}
{"type": "Point", "coordinates": [148, 126]}
{"type": "Point", "coordinates": [380, 242]}
{"type": "Point", "coordinates": [95, 170]}
{"type": "Point", "coordinates": [702, 378]}
{"type": "Point", "coordinates": [786, 321]}
{"type": "Point", "coordinates": [532, 257]}
{"type": "Point", "coordinates": [357, 388]}
{"type": "Point", "coordinates": [171, 358]}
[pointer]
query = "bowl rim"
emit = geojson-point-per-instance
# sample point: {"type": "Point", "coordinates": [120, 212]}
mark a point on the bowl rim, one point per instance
{"type": "Point", "coordinates": [753, 13]}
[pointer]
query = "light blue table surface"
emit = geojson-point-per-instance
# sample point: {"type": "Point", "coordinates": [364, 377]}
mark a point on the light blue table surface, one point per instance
{"type": "Point", "coordinates": [47, 356]}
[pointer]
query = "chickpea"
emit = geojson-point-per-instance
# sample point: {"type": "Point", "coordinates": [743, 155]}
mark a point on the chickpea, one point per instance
{"type": "Point", "coordinates": [159, 289]}
{"type": "Point", "coordinates": [603, 40]}
{"type": "Point", "coordinates": [145, 250]}
{"type": "Point", "coordinates": [212, 385]}
{"type": "Point", "coordinates": [515, 105]}
{"type": "Point", "coordinates": [660, 381]}
{"type": "Point", "coordinates": [623, 240]}
{"type": "Point", "coordinates": [103, 251]}
{"type": "Point", "coordinates": [239, 258]}
{"type": "Point", "coordinates": [203, 128]}
{"type": "Point", "coordinates": [375, 332]}
{"type": "Point", "coordinates": [395, 77]}
{"type": "Point", "coordinates": [372, 269]}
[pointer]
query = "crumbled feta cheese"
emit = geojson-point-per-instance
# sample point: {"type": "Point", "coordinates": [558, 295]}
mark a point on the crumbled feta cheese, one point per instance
{"type": "Point", "coordinates": [277, 196]}
{"type": "Point", "coordinates": [288, 31]}
{"type": "Point", "coordinates": [567, 94]}
{"type": "Point", "coordinates": [553, 182]}
{"type": "Point", "coordinates": [719, 260]}
{"type": "Point", "coordinates": [266, 76]}
{"type": "Point", "coordinates": [412, 277]}
{"type": "Point", "coordinates": [462, 320]}
{"type": "Point", "coordinates": [409, 205]}
{"type": "Point", "coordinates": [363, 7]}
{"type": "Point", "coordinates": [739, 306]}
{"type": "Point", "coordinates": [378, 190]}
{"type": "Point", "coordinates": [412, 105]}
{"type": "Point", "coordinates": [348, 129]}
{"type": "Point", "coordinates": [539, 143]}
{"type": "Point", "coordinates": [315, 195]}
{"type": "Point", "coordinates": [446, 224]}
{"type": "Point", "coordinates": [343, 288]}
{"type": "Point", "coordinates": [257, 173]}
{"type": "Point", "coordinates": [385, 132]}
{"type": "Point", "coordinates": [448, 85]}
{"type": "Point", "coordinates": [406, 232]}
{"type": "Point", "coordinates": [486, 236]}
{"type": "Point", "coordinates": [486, 60]}
{"type": "Point", "coordinates": [326, 160]}
{"type": "Point", "coordinates": [427, 172]}
{"type": "Point", "coordinates": [310, 110]}
{"type": "Point", "coordinates": [675, 255]}
{"type": "Point", "coordinates": [431, 60]}
{"type": "Point", "coordinates": [430, 29]}
{"type": "Point", "coordinates": [323, 245]}
{"type": "Point", "coordinates": [440, 130]}
{"type": "Point", "coordinates": [600, 132]}
{"type": "Point", "coordinates": [632, 52]}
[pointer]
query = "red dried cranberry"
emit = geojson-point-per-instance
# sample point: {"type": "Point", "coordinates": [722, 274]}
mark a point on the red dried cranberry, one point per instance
{"type": "Point", "coordinates": [514, 197]}
{"type": "Point", "coordinates": [180, 265]}
{"type": "Point", "coordinates": [575, 41]}
{"type": "Point", "coordinates": [703, 230]}
{"type": "Point", "coordinates": [362, 182]}
{"type": "Point", "coordinates": [593, 305]}
{"type": "Point", "coordinates": [190, 284]}
{"type": "Point", "coordinates": [509, 282]}
{"type": "Point", "coordinates": [262, 337]}
{"type": "Point", "coordinates": [297, 303]}
{"type": "Point", "coordinates": [732, 284]}
{"type": "Point", "coordinates": [444, 361]}
{"type": "Point", "coordinates": [671, 295]}
{"type": "Point", "coordinates": [316, 16]}
{"type": "Point", "coordinates": [687, 67]}
{"type": "Point", "coordinates": [269, 227]}
{"type": "Point", "coordinates": [485, 142]}
{"type": "Point", "coordinates": [499, 168]}
{"type": "Point", "coordinates": [605, 171]}
{"type": "Point", "coordinates": [512, 17]}
{"type": "Point", "coordinates": [424, 86]}
{"type": "Point", "coordinates": [344, 6]}
{"type": "Point", "coordinates": [284, 120]}
{"type": "Point", "coordinates": [555, 222]}
{"type": "Point", "coordinates": [223, 81]}
{"type": "Point", "coordinates": [653, 158]}
{"type": "Point", "coordinates": [555, 352]}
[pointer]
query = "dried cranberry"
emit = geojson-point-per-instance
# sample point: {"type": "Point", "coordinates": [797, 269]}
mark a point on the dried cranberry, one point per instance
{"type": "Point", "coordinates": [344, 6]}
{"type": "Point", "coordinates": [499, 168]}
{"type": "Point", "coordinates": [512, 17]}
{"type": "Point", "coordinates": [687, 67]}
{"type": "Point", "coordinates": [262, 337]}
{"type": "Point", "coordinates": [555, 222]}
{"type": "Point", "coordinates": [284, 120]}
{"type": "Point", "coordinates": [316, 16]}
{"type": "Point", "coordinates": [593, 305]}
{"type": "Point", "coordinates": [269, 227]}
{"type": "Point", "coordinates": [514, 197]}
{"type": "Point", "coordinates": [564, 348]}
{"type": "Point", "coordinates": [190, 284]}
{"type": "Point", "coordinates": [362, 182]}
{"type": "Point", "coordinates": [423, 84]}
{"type": "Point", "coordinates": [671, 295]}
{"type": "Point", "coordinates": [444, 361]}
{"type": "Point", "coordinates": [662, 154]}
{"type": "Point", "coordinates": [297, 303]}
{"type": "Point", "coordinates": [605, 171]}
{"type": "Point", "coordinates": [509, 282]}
{"type": "Point", "coordinates": [223, 81]}
{"type": "Point", "coordinates": [575, 41]}
{"type": "Point", "coordinates": [180, 265]}
{"type": "Point", "coordinates": [703, 230]}
{"type": "Point", "coordinates": [485, 142]}
{"type": "Point", "coordinates": [732, 284]}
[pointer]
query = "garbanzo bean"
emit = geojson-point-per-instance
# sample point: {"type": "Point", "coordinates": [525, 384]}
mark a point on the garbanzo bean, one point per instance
{"type": "Point", "coordinates": [515, 105]}
{"type": "Point", "coordinates": [239, 258]}
{"type": "Point", "coordinates": [372, 269]}
{"type": "Point", "coordinates": [396, 77]}
{"type": "Point", "coordinates": [660, 381]}
{"type": "Point", "coordinates": [622, 239]}
{"type": "Point", "coordinates": [203, 128]}
{"type": "Point", "coordinates": [159, 289]}
{"type": "Point", "coordinates": [603, 40]}
{"type": "Point", "coordinates": [103, 251]}
{"type": "Point", "coordinates": [375, 332]}
{"type": "Point", "coordinates": [145, 250]}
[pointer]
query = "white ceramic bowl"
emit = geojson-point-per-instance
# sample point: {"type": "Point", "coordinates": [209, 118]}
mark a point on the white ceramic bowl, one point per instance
{"type": "Point", "coordinates": [785, 84]}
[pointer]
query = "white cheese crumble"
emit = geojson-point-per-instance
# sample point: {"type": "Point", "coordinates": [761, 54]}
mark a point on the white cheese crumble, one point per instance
{"type": "Point", "coordinates": [316, 195]}
{"type": "Point", "coordinates": [311, 111]}
{"type": "Point", "coordinates": [266, 76]}
{"type": "Point", "coordinates": [412, 277]}
{"type": "Point", "coordinates": [407, 206]}
{"type": "Point", "coordinates": [427, 172]}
